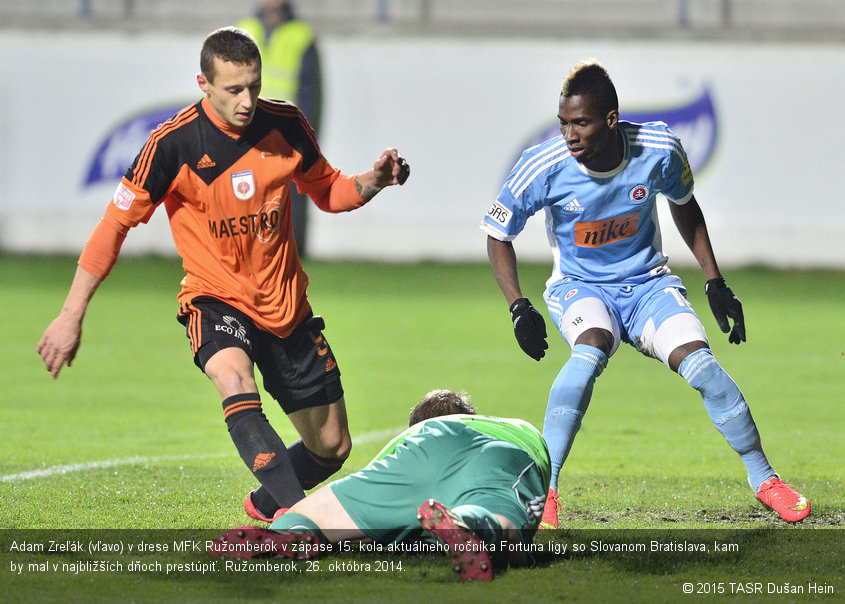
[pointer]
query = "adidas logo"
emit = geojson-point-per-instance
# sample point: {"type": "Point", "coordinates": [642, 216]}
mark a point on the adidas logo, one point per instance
{"type": "Point", "coordinates": [330, 364]}
{"type": "Point", "coordinates": [261, 460]}
{"type": "Point", "coordinates": [573, 206]}
{"type": "Point", "coordinates": [205, 162]}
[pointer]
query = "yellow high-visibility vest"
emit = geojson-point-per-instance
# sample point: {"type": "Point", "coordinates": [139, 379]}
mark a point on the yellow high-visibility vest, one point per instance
{"type": "Point", "coordinates": [281, 56]}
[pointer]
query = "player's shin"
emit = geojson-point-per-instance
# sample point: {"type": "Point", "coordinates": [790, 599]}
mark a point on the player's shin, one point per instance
{"type": "Point", "coordinates": [262, 450]}
{"type": "Point", "coordinates": [568, 401]}
{"type": "Point", "coordinates": [728, 411]}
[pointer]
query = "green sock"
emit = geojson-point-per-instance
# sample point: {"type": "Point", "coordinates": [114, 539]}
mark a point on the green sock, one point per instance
{"type": "Point", "coordinates": [481, 522]}
{"type": "Point", "coordinates": [297, 523]}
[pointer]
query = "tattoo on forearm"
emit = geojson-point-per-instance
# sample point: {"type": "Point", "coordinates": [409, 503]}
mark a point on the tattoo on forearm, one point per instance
{"type": "Point", "coordinates": [365, 192]}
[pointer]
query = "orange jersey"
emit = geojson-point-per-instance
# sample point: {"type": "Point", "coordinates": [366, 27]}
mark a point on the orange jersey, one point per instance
{"type": "Point", "coordinates": [228, 200]}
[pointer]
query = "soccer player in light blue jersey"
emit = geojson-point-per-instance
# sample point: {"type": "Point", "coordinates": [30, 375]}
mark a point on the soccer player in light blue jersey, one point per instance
{"type": "Point", "coordinates": [598, 184]}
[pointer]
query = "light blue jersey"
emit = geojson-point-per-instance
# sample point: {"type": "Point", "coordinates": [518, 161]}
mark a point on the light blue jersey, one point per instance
{"type": "Point", "coordinates": [602, 226]}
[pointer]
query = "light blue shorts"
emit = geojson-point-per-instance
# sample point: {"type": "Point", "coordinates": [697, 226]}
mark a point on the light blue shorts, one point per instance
{"type": "Point", "coordinates": [633, 313]}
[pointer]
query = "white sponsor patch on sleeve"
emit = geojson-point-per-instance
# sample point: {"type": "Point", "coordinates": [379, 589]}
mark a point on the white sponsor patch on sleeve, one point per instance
{"type": "Point", "coordinates": [123, 197]}
{"type": "Point", "coordinates": [499, 214]}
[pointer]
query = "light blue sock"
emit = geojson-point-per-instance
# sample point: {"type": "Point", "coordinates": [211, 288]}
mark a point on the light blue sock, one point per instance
{"type": "Point", "coordinates": [568, 401]}
{"type": "Point", "coordinates": [728, 411]}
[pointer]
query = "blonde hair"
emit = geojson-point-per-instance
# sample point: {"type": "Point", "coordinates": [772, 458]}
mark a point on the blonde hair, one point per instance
{"type": "Point", "coordinates": [590, 78]}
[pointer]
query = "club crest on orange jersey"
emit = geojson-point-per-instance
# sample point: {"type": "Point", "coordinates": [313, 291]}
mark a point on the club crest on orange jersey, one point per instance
{"type": "Point", "coordinates": [243, 185]}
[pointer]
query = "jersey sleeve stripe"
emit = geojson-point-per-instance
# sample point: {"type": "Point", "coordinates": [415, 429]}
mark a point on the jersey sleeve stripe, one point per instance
{"type": "Point", "coordinates": [142, 168]}
{"type": "Point", "coordinates": [537, 171]}
{"type": "Point", "coordinates": [528, 166]}
{"type": "Point", "coordinates": [669, 140]}
{"type": "Point", "coordinates": [670, 147]}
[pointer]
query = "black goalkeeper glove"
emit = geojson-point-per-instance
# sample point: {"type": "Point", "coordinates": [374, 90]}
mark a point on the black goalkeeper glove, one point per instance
{"type": "Point", "coordinates": [529, 329]}
{"type": "Point", "coordinates": [724, 305]}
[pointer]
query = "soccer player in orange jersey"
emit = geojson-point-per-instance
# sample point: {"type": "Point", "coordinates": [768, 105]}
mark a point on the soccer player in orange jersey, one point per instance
{"type": "Point", "coordinates": [223, 169]}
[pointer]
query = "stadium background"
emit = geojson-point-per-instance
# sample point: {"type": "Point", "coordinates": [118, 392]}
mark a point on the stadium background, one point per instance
{"type": "Point", "coordinates": [129, 437]}
{"type": "Point", "coordinates": [460, 87]}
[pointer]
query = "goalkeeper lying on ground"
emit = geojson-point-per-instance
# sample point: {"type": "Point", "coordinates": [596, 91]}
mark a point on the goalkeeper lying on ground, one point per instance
{"type": "Point", "coordinates": [467, 481]}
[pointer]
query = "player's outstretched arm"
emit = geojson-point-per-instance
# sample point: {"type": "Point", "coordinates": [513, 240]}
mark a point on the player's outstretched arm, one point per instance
{"type": "Point", "coordinates": [389, 169]}
{"type": "Point", "coordinates": [61, 340]}
{"type": "Point", "coordinates": [724, 304]}
{"type": "Point", "coordinates": [529, 327]}
{"type": "Point", "coordinates": [503, 261]}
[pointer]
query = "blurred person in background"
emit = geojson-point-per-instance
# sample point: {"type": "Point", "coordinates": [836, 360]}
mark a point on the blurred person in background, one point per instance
{"type": "Point", "coordinates": [291, 72]}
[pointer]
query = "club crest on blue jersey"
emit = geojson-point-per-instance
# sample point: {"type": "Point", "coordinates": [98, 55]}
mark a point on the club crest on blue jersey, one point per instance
{"type": "Point", "coordinates": [243, 185]}
{"type": "Point", "coordinates": [638, 194]}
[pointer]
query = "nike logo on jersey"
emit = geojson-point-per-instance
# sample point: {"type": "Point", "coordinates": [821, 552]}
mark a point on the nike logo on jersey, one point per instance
{"type": "Point", "coordinates": [602, 232]}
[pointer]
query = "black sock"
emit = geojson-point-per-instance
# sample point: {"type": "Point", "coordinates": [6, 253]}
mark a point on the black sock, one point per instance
{"type": "Point", "coordinates": [261, 448]}
{"type": "Point", "coordinates": [264, 502]}
{"type": "Point", "coordinates": [310, 468]}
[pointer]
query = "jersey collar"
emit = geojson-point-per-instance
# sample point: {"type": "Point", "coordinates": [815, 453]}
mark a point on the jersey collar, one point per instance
{"type": "Point", "coordinates": [225, 127]}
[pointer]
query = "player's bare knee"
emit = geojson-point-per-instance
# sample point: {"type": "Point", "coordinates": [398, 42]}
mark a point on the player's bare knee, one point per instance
{"type": "Point", "coordinates": [331, 444]}
{"type": "Point", "coordinates": [597, 338]}
{"type": "Point", "coordinates": [231, 372]}
{"type": "Point", "coordinates": [231, 383]}
{"type": "Point", "coordinates": [342, 447]}
{"type": "Point", "coordinates": [677, 356]}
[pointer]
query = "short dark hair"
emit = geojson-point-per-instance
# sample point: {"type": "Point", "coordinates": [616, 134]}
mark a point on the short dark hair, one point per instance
{"type": "Point", "coordinates": [230, 44]}
{"type": "Point", "coordinates": [590, 78]}
{"type": "Point", "coordinates": [441, 402]}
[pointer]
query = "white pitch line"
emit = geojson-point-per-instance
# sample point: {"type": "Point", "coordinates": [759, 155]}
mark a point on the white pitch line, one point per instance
{"type": "Point", "coordinates": [69, 468]}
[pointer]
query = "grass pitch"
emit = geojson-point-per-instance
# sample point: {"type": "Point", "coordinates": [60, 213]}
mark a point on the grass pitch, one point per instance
{"type": "Point", "coordinates": [128, 446]}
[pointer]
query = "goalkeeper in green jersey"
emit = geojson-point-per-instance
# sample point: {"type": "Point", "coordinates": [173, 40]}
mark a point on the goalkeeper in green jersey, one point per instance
{"type": "Point", "coordinates": [474, 484]}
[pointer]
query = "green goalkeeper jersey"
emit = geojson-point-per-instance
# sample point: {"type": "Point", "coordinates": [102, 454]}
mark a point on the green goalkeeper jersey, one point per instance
{"type": "Point", "coordinates": [512, 430]}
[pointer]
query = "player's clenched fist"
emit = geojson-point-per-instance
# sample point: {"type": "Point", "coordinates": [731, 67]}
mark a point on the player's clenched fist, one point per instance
{"type": "Point", "coordinates": [391, 168]}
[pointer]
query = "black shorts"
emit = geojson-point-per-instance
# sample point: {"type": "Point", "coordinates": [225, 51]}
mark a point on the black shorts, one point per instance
{"type": "Point", "coordinates": [299, 371]}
